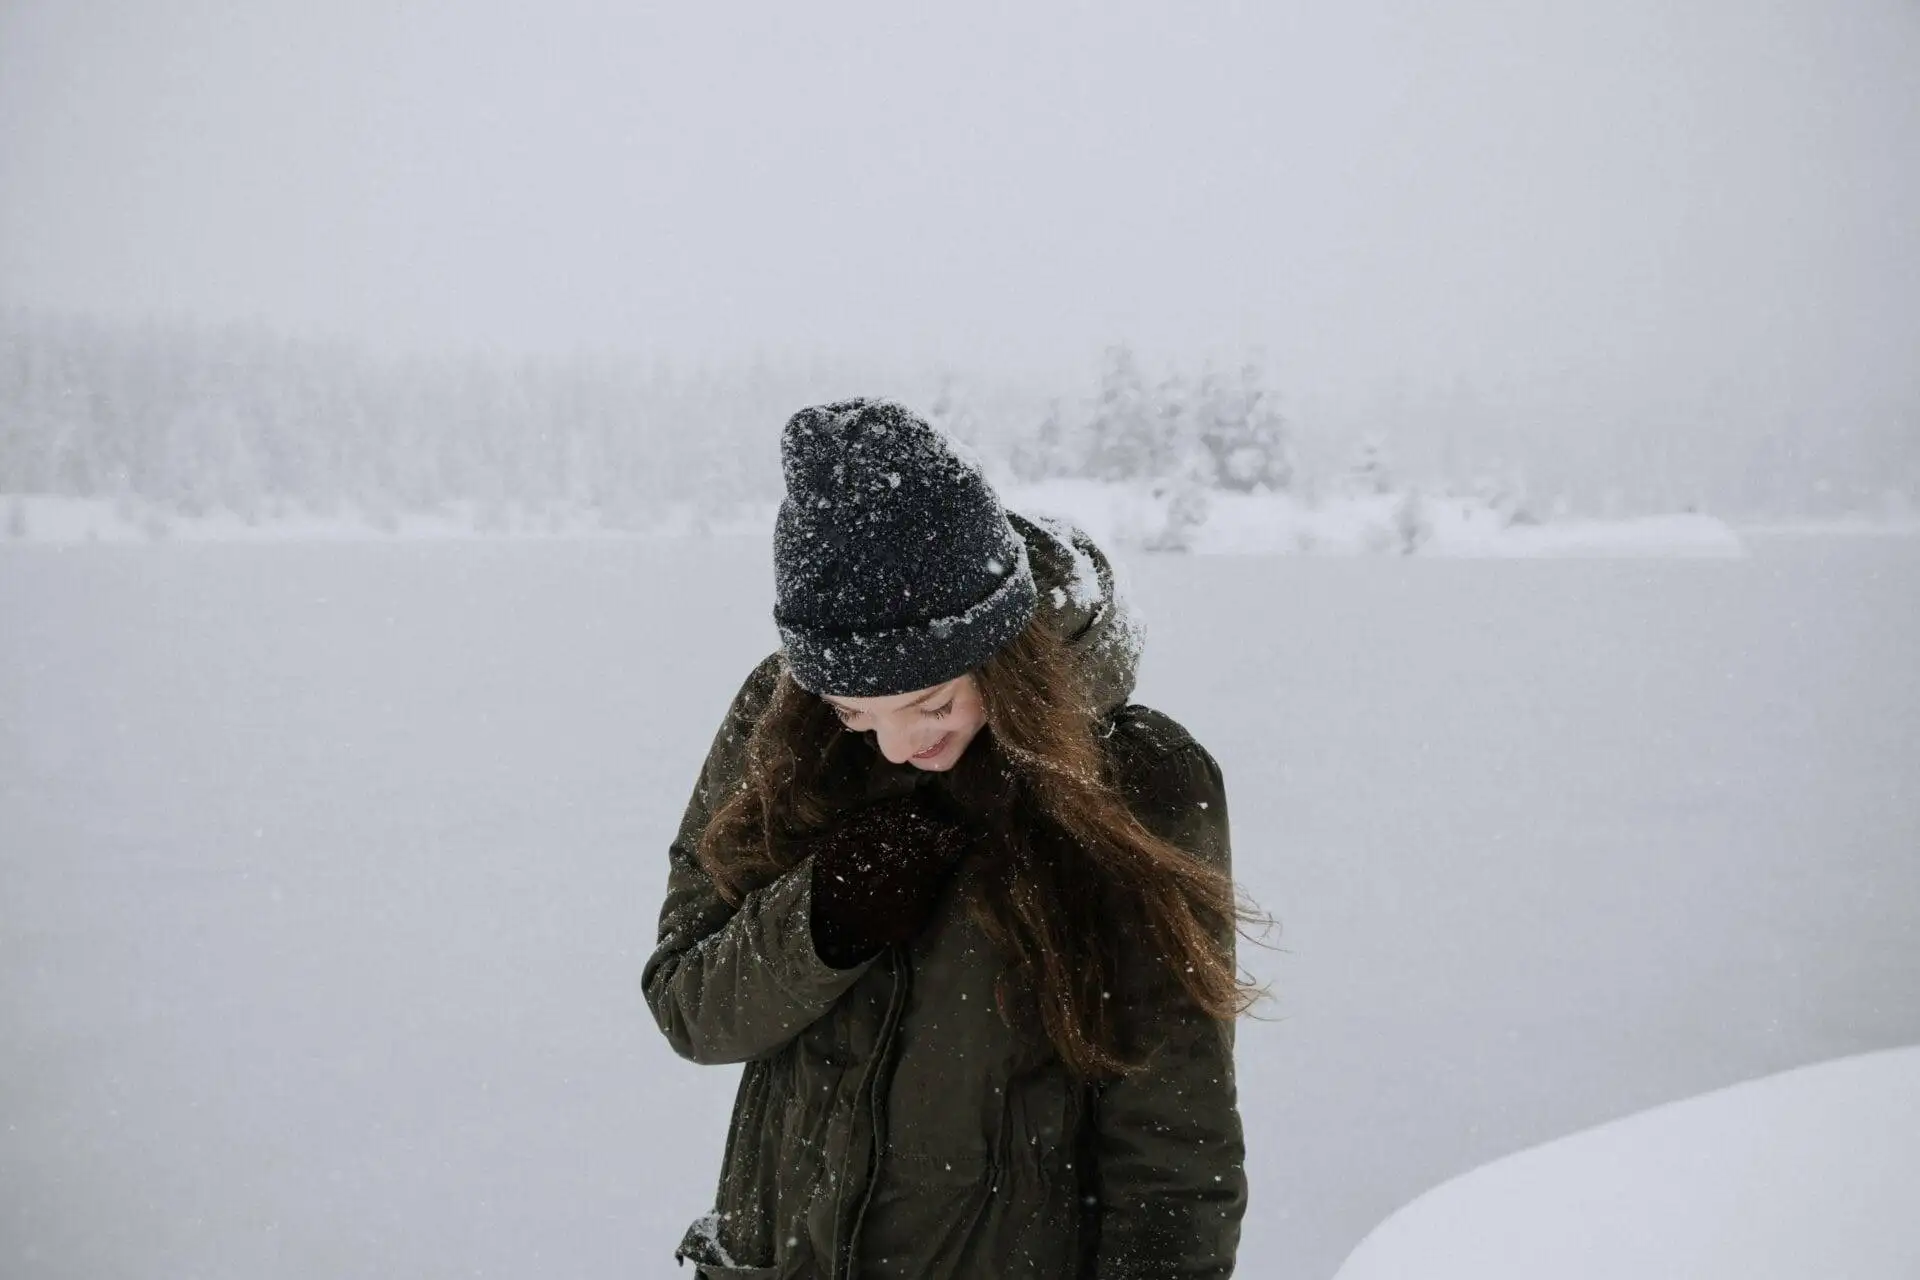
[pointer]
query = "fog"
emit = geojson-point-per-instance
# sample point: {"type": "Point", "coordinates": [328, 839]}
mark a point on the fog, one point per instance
{"type": "Point", "coordinates": [1553, 218]}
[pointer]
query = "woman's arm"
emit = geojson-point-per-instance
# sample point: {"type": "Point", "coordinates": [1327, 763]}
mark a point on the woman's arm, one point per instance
{"type": "Point", "coordinates": [727, 983]}
{"type": "Point", "coordinates": [1171, 1158]}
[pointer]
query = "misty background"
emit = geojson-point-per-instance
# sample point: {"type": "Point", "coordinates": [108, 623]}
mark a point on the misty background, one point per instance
{"type": "Point", "coordinates": [1636, 256]}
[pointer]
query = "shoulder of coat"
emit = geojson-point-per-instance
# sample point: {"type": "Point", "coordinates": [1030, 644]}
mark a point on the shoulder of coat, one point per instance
{"type": "Point", "coordinates": [1172, 783]}
{"type": "Point", "coordinates": [756, 691]}
{"type": "Point", "coordinates": [1140, 730]}
{"type": "Point", "coordinates": [1144, 745]}
{"type": "Point", "coordinates": [766, 673]}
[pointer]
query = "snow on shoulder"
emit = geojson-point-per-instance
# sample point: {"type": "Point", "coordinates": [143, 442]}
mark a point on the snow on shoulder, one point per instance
{"type": "Point", "coordinates": [1097, 586]}
{"type": "Point", "coordinates": [1082, 587]}
{"type": "Point", "coordinates": [1811, 1172]}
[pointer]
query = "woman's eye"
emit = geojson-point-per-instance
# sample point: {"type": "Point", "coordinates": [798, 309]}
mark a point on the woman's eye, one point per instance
{"type": "Point", "coordinates": [943, 712]}
{"type": "Point", "coordinates": [840, 713]}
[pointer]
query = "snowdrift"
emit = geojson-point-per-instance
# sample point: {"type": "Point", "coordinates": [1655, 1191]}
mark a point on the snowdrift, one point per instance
{"type": "Point", "coordinates": [1808, 1173]}
{"type": "Point", "coordinates": [40, 518]}
{"type": "Point", "coordinates": [1403, 522]}
{"type": "Point", "coordinates": [1122, 516]}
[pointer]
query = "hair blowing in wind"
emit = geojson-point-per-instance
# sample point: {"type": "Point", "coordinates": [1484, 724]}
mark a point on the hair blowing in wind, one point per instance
{"type": "Point", "coordinates": [1072, 879]}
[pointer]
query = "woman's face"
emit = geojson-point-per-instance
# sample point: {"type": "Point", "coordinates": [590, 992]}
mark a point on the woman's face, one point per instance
{"type": "Point", "coordinates": [928, 729]}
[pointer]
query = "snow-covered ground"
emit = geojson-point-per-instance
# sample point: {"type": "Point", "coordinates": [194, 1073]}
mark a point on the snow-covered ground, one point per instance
{"type": "Point", "coordinates": [1399, 523]}
{"type": "Point", "coordinates": [1810, 1172]}
{"type": "Point", "coordinates": [49, 519]}
{"type": "Point", "coordinates": [328, 872]}
{"type": "Point", "coordinates": [1402, 522]}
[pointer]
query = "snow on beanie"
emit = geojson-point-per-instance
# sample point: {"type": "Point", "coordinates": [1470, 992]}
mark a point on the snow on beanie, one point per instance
{"type": "Point", "coordinates": [895, 567]}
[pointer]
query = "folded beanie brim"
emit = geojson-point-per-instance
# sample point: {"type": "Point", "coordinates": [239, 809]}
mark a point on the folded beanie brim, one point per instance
{"type": "Point", "coordinates": [886, 662]}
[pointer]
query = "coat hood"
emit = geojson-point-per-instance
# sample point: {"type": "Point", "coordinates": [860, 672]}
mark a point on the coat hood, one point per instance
{"type": "Point", "coordinates": [1079, 593]}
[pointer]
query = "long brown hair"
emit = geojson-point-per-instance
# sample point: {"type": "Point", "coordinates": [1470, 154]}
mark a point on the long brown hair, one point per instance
{"type": "Point", "coordinates": [1075, 876]}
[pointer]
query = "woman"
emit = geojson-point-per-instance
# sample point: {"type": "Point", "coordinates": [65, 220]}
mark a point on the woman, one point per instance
{"type": "Point", "coordinates": [964, 912]}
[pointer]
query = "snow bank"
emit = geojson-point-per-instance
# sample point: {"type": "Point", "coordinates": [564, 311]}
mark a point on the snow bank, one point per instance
{"type": "Point", "coordinates": [1808, 1173]}
{"type": "Point", "coordinates": [1887, 526]}
{"type": "Point", "coordinates": [1122, 516]}
{"type": "Point", "coordinates": [42, 518]}
{"type": "Point", "coordinates": [1400, 523]}
{"type": "Point", "coordinates": [1669, 535]}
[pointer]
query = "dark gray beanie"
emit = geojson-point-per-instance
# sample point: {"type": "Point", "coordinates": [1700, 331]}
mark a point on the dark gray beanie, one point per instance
{"type": "Point", "coordinates": [895, 567]}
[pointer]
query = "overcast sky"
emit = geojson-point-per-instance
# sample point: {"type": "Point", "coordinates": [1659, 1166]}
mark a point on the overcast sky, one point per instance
{"type": "Point", "coordinates": [1667, 194]}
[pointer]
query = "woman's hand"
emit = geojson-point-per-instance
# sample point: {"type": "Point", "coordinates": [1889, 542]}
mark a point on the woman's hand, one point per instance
{"type": "Point", "coordinates": [877, 874]}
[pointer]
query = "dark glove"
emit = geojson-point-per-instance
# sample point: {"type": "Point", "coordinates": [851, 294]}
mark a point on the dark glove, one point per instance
{"type": "Point", "coordinates": [876, 876]}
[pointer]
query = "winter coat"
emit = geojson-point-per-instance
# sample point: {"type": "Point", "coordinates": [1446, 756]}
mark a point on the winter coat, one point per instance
{"type": "Point", "coordinates": [889, 1120]}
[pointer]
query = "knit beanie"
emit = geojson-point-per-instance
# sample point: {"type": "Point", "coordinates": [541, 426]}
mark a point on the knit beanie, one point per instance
{"type": "Point", "coordinates": [895, 568]}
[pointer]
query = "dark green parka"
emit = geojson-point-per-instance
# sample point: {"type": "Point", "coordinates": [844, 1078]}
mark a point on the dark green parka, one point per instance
{"type": "Point", "coordinates": [889, 1121]}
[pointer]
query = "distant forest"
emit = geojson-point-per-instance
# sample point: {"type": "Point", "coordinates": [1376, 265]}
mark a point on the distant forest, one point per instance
{"type": "Point", "coordinates": [192, 418]}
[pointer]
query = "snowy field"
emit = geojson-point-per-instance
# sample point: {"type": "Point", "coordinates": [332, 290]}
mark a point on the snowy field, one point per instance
{"type": "Point", "coordinates": [328, 872]}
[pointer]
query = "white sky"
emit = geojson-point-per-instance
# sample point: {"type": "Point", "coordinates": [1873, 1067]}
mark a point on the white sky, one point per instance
{"type": "Point", "coordinates": [1669, 196]}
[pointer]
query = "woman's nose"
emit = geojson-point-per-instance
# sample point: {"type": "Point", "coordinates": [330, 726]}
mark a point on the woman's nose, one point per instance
{"type": "Point", "coordinates": [896, 747]}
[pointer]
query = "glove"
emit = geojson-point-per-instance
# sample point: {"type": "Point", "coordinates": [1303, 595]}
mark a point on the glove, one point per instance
{"type": "Point", "coordinates": [876, 876]}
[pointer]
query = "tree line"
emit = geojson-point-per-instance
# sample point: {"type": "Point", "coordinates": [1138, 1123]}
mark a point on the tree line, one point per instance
{"type": "Point", "coordinates": [192, 418]}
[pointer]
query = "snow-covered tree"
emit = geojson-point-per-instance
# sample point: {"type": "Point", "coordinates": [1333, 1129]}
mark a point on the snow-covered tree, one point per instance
{"type": "Point", "coordinates": [1239, 423]}
{"type": "Point", "coordinates": [1049, 452]}
{"type": "Point", "coordinates": [1371, 470]}
{"type": "Point", "coordinates": [1503, 489]}
{"type": "Point", "coordinates": [1123, 433]}
{"type": "Point", "coordinates": [1412, 522]}
{"type": "Point", "coordinates": [1187, 498]}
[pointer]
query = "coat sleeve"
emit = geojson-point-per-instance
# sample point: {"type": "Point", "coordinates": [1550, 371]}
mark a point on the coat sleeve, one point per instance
{"type": "Point", "coordinates": [726, 983]}
{"type": "Point", "coordinates": [1170, 1154]}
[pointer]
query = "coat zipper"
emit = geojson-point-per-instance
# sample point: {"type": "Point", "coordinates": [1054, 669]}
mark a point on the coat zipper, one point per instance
{"type": "Point", "coordinates": [874, 1087]}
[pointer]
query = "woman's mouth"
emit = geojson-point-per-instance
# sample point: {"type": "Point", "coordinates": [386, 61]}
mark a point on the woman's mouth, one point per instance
{"type": "Point", "coordinates": [933, 750]}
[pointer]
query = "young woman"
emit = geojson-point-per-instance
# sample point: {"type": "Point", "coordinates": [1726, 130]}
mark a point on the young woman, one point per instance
{"type": "Point", "coordinates": [965, 913]}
